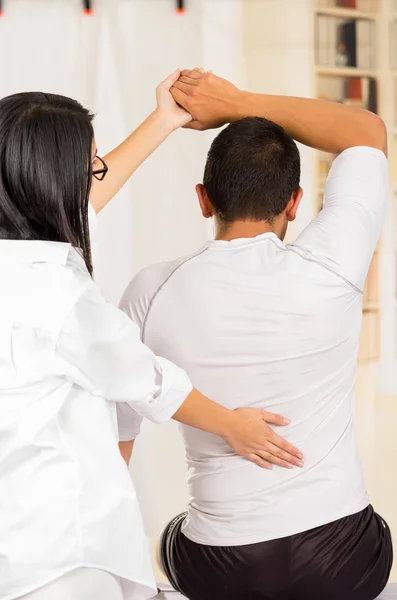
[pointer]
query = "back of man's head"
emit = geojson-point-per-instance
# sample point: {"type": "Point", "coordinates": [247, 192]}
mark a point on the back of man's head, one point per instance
{"type": "Point", "coordinates": [252, 170]}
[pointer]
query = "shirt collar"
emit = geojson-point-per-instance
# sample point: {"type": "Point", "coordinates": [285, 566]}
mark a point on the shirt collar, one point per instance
{"type": "Point", "coordinates": [238, 242]}
{"type": "Point", "coordinates": [33, 251]}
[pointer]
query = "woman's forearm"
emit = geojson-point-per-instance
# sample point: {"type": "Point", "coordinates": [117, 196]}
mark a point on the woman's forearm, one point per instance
{"type": "Point", "coordinates": [246, 430]}
{"type": "Point", "coordinates": [129, 155]}
{"type": "Point", "coordinates": [200, 412]}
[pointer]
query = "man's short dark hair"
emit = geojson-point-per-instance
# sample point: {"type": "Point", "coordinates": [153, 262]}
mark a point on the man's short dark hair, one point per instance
{"type": "Point", "coordinates": [252, 169]}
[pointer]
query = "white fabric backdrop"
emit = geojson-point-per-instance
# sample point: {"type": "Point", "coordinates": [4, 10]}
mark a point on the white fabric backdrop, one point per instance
{"type": "Point", "coordinates": [111, 63]}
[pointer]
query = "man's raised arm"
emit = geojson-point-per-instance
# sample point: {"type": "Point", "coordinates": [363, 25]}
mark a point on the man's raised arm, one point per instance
{"type": "Point", "coordinates": [327, 126]}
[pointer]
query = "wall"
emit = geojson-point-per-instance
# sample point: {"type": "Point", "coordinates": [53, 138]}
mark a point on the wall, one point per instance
{"type": "Point", "coordinates": [112, 62]}
{"type": "Point", "coordinates": [157, 217]}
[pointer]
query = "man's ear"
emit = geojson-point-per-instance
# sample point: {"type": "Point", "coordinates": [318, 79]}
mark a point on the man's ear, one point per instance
{"type": "Point", "coordinates": [205, 203]}
{"type": "Point", "coordinates": [293, 204]}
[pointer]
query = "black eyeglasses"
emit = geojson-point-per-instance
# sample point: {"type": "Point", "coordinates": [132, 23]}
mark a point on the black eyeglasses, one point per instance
{"type": "Point", "coordinates": [100, 173]}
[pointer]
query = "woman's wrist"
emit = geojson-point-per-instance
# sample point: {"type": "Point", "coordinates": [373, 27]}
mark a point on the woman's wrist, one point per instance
{"type": "Point", "coordinates": [225, 424]}
{"type": "Point", "coordinates": [228, 424]}
{"type": "Point", "coordinates": [165, 121]}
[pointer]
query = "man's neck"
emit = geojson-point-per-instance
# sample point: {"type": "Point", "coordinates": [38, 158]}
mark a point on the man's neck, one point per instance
{"type": "Point", "coordinates": [245, 229]}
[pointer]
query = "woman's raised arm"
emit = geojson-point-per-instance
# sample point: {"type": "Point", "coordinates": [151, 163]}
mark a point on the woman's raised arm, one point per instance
{"type": "Point", "coordinates": [130, 154]}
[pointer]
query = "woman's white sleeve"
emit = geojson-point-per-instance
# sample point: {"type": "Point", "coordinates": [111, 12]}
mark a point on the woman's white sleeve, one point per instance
{"type": "Point", "coordinates": [99, 349]}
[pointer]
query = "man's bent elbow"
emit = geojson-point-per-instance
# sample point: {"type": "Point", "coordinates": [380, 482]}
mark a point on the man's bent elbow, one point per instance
{"type": "Point", "coordinates": [363, 128]}
{"type": "Point", "coordinates": [126, 449]}
{"type": "Point", "coordinates": [377, 134]}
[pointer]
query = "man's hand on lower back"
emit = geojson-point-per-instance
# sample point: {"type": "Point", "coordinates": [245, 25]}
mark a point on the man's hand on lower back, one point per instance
{"type": "Point", "coordinates": [211, 100]}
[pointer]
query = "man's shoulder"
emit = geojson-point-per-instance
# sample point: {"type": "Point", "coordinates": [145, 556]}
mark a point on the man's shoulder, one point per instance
{"type": "Point", "coordinates": [151, 278]}
{"type": "Point", "coordinates": [144, 286]}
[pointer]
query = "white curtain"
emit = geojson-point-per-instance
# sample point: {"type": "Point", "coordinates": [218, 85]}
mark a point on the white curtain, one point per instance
{"type": "Point", "coordinates": [111, 62]}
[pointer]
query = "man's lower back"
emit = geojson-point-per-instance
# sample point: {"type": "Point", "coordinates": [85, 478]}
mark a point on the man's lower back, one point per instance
{"type": "Point", "coordinates": [235, 503]}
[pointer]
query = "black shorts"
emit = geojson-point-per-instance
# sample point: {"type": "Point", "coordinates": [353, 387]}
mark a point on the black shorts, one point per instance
{"type": "Point", "coordinates": [349, 559]}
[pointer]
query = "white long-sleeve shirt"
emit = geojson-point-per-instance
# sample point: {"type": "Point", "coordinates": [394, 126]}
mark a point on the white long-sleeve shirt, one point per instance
{"type": "Point", "coordinates": [257, 323]}
{"type": "Point", "coordinates": [66, 358]}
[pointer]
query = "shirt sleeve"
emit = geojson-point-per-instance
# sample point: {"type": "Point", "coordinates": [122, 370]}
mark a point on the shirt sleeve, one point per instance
{"type": "Point", "coordinates": [128, 422]}
{"type": "Point", "coordinates": [99, 349]}
{"type": "Point", "coordinates": [345, 233]}
{"type": "Point", "coordinates": [134, 303]}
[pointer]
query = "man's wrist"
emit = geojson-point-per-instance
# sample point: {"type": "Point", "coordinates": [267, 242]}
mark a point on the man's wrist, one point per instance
{"type": "Point", "coordinates": [244, 105]}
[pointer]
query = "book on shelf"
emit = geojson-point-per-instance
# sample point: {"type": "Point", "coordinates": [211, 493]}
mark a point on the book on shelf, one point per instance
{"type": "Point", "coordinates": [361, 5]}
{"type": "Point", "coordinates": [358, 35]}
{"type": "Point", "coordinates": [327, 40]}
{"type": "Point", "coordinates": [346, 3]}
{"type": "Point", "coordinates": [365, 90]}
{"type": "Point", "coordinates": [348, 37]}
{"type": "Point", "coordinates": [353, 93]}
{"type": "Point", "coordinates": [345, 43]}
{"type": "Point", "coordinates": [373, 96]}
{"type": "Point", "coordinates": [364, 44]}
{"type": "Point", "coordinates": [361, 92]}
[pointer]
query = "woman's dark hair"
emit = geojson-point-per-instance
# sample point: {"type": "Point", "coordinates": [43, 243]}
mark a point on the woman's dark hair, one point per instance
{"type": "Point", "coordinates": [252, 169]}
{"type": "Point", "coordinates": [45, 170]}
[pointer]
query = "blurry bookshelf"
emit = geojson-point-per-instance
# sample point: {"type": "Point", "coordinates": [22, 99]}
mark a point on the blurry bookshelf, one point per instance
{"type": "Point", "coordinates": [345, 42]}
{"type": "Point", "coordinates": [361, 6]}
{"type": "Point", "coordinates": [352, 91]}
{"type": "Point", "coordinates": [345, 55]}
{"type": "Point", "coordinates": [346, 72]}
